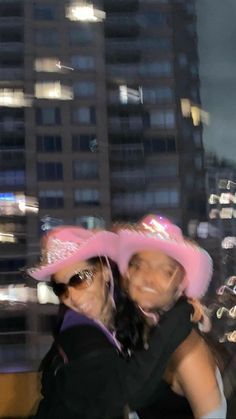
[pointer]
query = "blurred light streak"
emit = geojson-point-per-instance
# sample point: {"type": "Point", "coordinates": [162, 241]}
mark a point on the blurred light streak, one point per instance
{"type": "Point", "coordinates": [17, 204]}
{"type": "Point", "coordinates": [17, 293]}
{"type": "Point", "coordinates": [47, 64]}
{"type": "Point", "coordinates": [60, 66]}
{"type": "Point", "coordinates": [228, 242]}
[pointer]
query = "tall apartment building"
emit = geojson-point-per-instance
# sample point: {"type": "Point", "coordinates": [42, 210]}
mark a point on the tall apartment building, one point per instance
{"type": "Point", "coordinates": [91, 128]}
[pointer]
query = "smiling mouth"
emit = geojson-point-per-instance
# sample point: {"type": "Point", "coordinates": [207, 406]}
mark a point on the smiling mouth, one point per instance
{"type": "Point", "coordinates": [148, 289]}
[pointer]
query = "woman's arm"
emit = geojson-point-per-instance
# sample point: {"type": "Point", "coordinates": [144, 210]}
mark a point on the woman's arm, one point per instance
{"type": "Point", "coordinates": [196, 376]}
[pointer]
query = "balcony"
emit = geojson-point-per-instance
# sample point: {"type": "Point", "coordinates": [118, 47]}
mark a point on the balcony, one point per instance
{"type": "Point", "coordinates": [11, 73]}
{"type": "Point", "coordinates": [11, 47]}
{"type": "Point", "coordinates": [10, 125]}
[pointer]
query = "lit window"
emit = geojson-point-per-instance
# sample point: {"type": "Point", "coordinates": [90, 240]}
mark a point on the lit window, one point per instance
{"type": "Point", "coordinates": [213, 199]}
{"type": "Point", "coordinates": [53, 90]}
{"type": "Point", "coordinates": [226, 213]}
{"type": "Point", "coordinates": [48, 65]}
{"type": "Point", "coordinates": [225, 198]}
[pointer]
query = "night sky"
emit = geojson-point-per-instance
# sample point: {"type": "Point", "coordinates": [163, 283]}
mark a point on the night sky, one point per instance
{"type": "Point", "coordinates": [217, 53]}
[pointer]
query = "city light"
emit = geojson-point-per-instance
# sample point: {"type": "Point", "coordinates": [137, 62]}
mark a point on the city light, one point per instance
{"type": "Point", "coordinates": [14, 98]}
{"type": "Point", "coordinates": [128, 95]}
{"type": "Point", "coordinates": [228, 242]}
{"type": "Point", "coordinates": [17, 204]}
{"type": "Point", "coordinates": [53, 90]}
{"type": "Point", "coordinates": [45, 295]}
{"type": "Point", "coordinates": [197, 114]}
{"type": "Point", "coordinates": [84, 12]}
{"type": "Point", "coordinates": [17, 294]}
{"type": "Point", "coordinates": [7, 238]}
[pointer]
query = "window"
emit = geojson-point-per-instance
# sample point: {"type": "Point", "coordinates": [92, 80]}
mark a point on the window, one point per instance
{"type": "Point", "coordinates": [49, 143]}
{"type": "Point", "coordinates": [47, 37]}
{"type": "Point", "coordinates": [53, 90]}
{"type": "Point", "coordinates": [86, 197]}
{"type": "Point", "coordinates": [83, 142]}
{"type": "Point", "coordinates": [12, 177]}
{"type": "Point", "coordinates": [159, 170]}
{"type": "Point", "coordinates": [80, 35]}
{"type": "Point", "coordinates": [84, 88]}
{"type": "Point", "coordinates": [158, 69]}
{"type": "Point", "coordinates": [197, 138]}
{"type": "Point", "coordinates": [48, 116]}
{"type": "Point", "coordinates": [157, 94]}
{"type": "Point", "coordinates": [198, 162]}
{"type": "Point", "coordinates": [47, 64]}
{"type": "Point", "coordinates": [50, 171]}
{"type": "Point", "coordinates": [83, 62]}
{"type": "Point", "coordinates": [85, 169]}
{"type": "Point", "coordinates": [12, 264]}
{"type": "Point", "coordinates": [89, 221]}
{"type": "Point", "coordinates": [44, 11]}
{"type": "Point", "coordinates": [162, 119]}
{"type": "Point", "coordinates": [84, 115]}
{"type": "Point", "coordinates": [51, 199]}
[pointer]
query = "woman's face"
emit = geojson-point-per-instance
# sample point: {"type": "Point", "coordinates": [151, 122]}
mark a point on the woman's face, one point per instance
{"type": "Point", "coordinates": [91, 298]}
{"type": "Point", "coordinates": [153, 280]}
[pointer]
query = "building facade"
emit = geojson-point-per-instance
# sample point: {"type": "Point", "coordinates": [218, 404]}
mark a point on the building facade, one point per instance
{"type": "Point", "coordinates": [91, 130]}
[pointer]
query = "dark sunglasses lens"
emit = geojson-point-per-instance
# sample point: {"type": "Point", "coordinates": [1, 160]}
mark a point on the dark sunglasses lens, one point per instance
{"type": "Point", "coordinates": [58, 289]}
{"type": "Point", "coordinates": [82, 279]}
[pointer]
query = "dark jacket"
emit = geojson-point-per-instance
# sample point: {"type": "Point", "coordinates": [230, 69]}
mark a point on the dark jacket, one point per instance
{"type": "Point", "coordinates": [87, 376]}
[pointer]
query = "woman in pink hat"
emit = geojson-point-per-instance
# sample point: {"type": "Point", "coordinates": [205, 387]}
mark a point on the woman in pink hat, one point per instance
{"type": "Point", "coordinates": [86, 374]}
{"type": "Point", "coordinates": [160, 267]}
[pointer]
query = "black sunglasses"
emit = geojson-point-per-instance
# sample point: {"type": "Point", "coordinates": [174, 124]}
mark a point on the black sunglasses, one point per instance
{"type": "Point", "coordinates": [80, 280]}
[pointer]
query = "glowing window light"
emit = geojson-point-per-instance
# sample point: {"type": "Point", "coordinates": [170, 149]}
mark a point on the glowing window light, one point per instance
{"type": "Point", "coordinates": [54, 90]}
{"type": "Point", "coordinates": [228, 242]}
{"type": "Point", "coordinates": [7, 238]}
{"type": "Point", "coordinates": [214, 213]}
{"type": "Point", "coordinates": [225, 198]}
{"type": "Point", "coordinates": [226, 213]}
{"type": "Point", "coordinates": [48, 65]}
{"type": "Point", "coordinates": [45, 294]}
{"type": "Point", "coordinates": [84, 12]}
{"type": "Point", "coordinates": [17, 293]}
{"type": "Point", "coordinates": [14, 98]}
{"type": "Point", "coordinates": [213, 199]}
{"type": "Point", "coordinates": [128, 95]}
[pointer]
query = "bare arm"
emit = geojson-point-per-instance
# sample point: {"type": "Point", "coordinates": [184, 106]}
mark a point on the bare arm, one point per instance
{"type": "Point", "coordinates": [194, 375]}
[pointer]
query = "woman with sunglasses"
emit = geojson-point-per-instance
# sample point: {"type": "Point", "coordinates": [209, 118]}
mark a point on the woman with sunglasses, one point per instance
{"type": "Point", "coordinates": [159, 268]}
{"type": "Point", "coordinates": [85, 374]}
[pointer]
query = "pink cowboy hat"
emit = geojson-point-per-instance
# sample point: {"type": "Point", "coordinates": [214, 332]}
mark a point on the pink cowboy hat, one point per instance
{"type": "Point", "coordinates": [65, 245]}
{"type": "Point", "coordinates": [158, 233]}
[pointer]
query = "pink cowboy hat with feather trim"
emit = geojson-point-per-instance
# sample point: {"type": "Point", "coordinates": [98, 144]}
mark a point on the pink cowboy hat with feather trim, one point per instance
{"type": "Point", "coordinates": [67, 244]}
{"type": "Point", "coordinates": [159, 233]}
